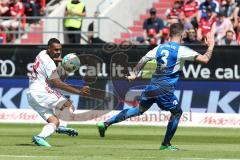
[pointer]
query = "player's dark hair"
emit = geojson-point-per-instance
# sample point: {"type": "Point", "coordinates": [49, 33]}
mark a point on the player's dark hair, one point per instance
{"type": "Point", "coordinates": [229, 31]}
{"type": "Point", "coordinates": [176, 29]}
{"type": "Point", "coordinates": [52, 41]}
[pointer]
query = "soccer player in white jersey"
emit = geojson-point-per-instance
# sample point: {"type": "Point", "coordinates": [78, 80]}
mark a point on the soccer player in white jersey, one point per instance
{"type": "Point", "coordinates": [42, 96]}
{"type": "Point", "coordinates": [170, 59]}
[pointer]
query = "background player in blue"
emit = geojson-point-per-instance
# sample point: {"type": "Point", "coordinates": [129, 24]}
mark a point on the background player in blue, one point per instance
{"type": "Point", "coordinates": [170, 60]}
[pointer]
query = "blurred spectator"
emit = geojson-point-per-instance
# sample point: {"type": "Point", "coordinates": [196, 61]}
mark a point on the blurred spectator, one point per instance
{"type": "Point", "coordinates": [173, 14]}
{"type": "Point", "coordinates": [221, 26]}
{"type": "Point", "coordinates": [90, 34]}
{"type": "Point", "coordinates": [4, 12]}
{"type": "Point", "coordinates": [181, 3]}
{"type": "Point", "coordinates": [2, 36]}
{"type": "Point", "coordinates": [151, 40]}
{"type": "Point", "coordinates": [187, 24]}
{"type": "Point", "coordinates": [190, 10]}
{"type": "Point", "coordinates": [75, 10]}
{"type": "Point", "coordinates": [165, 35]}
{"type": "Point", "coordinates": [153, 22]}
{"type": "Point", "coordinates": [32, 8]}
{"type": "Point", "coordinates": [191, 37]}
{"type": "Point", "coordinates": [208, 5]}
{"type": "Point", "coordinates": [228, 39]}
{"type": "Point", "coordinates": [236, 15]}
{"type": "Point", "coordinates": [205, 25]}
{"type": "Point", "coordinates": [94, 40]}
{"type": "Point", "coordinates": [238, 31]}
{"type": "Point", "coordinates": [91, 25]}
{"type": "Point", "coordinates": [238, 36]}
{"type": "Point", "coordinates": [227, 7]}
{"type": "Point", "coordinates": [16, 10]}
{"type": "Point", "coordinates": [4, 8]}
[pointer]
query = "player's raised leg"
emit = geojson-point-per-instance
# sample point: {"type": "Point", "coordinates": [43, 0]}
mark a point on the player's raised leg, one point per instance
{"type": "Point", "coordinates": [123, 115]}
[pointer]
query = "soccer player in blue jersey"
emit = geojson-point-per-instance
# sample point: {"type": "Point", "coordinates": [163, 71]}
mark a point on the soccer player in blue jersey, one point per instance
{"type": "Point", "coordinates": [170, 59]}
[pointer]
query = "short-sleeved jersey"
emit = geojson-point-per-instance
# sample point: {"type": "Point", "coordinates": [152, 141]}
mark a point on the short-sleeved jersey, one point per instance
{"type": "Point", "coordinates": [206, 25]}
{"type": "Point", "coordinates": [17, 9]}
{"type": "Point", "coordinates": [204, 6]}
{"type": "Point", "coordinates": [156, 24]}
{"type": "Point", "coordinates": [170, 60]}
{"type": "Point", "coordinates": [44, 69]}
{"type": "Point", "coordinates": [190, 9]}
{"type": "Point", "coordinates": [173, 13]}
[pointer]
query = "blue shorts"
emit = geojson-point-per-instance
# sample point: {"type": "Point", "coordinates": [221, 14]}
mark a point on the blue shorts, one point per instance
{"type": "Point", "coordinates": [164, 97]}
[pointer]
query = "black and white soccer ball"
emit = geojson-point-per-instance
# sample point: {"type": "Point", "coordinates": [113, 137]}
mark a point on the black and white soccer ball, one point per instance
{"type": "Point", "coordinates": [71, 62]}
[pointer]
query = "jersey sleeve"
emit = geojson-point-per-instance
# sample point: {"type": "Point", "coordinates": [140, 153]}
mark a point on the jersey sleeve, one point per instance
{"type": "Point", "coordinates": [51, 70]}
{"type": "Point", "coordinates": [62, 73]}
{"type": "Point", "coordinates": [152, 53]}
{"type": "Point", "coordinates": [186, 53]}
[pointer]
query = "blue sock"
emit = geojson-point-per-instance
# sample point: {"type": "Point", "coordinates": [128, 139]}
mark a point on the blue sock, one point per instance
{"type": "Point", "coordinates": [172, 127]}
{"type": "Point", "coordinates": [124, 114]}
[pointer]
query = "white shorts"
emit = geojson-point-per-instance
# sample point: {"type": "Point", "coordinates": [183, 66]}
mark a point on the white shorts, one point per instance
{"type": "Point", "coordinates": [45, 103]}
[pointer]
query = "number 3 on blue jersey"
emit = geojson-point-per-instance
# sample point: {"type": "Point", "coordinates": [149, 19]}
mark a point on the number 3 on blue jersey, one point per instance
{"type": "Point", "coordinates": [162, 58]}
{"type": "Point", "coordinates": [164, 55]}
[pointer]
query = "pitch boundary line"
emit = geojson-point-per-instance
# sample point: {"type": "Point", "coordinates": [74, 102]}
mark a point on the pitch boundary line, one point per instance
{"type": "Point", "coordinates": [29, 156]}
{"type": "Point", "coordinates": [26, 156]}
{"type": "Point", "coordinates": [203, 159]}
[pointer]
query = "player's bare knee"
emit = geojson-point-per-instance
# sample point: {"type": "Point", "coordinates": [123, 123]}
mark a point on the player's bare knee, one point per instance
{"type": "Point", "coordinates": [57, 123]}
{"type": "Point", "coordinates": [68, 104]}
{"type": "Point", "coordinates": [54, 120]}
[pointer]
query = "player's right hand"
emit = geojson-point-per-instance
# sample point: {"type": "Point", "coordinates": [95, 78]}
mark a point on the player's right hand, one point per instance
{"type": "Point", "coordinates": [85, 90]}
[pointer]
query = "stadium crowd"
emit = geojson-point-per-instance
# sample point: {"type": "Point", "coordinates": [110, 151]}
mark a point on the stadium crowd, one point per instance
{"type": "Point", "coordinates": [221, 17]}
{"type": "Point", "coordinates": [17, 10]}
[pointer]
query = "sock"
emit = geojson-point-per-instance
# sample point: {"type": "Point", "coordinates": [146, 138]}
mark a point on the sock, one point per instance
{"type": "Point", "coordinates": [172, 127]}
{"type": "Point", "coordinates": [124, 114]}
{"type": "Point", "coordinates": [47, 130]}
{"type": "Point", "coordinates": [62, 123]}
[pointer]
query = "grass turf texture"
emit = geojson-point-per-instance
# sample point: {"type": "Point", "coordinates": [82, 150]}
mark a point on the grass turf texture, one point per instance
{"type": "Point", "coordinates": [120, 143]}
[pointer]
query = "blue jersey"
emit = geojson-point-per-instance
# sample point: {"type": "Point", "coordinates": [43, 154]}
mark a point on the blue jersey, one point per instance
{"type": "Point", "coordinates": [170, 59]}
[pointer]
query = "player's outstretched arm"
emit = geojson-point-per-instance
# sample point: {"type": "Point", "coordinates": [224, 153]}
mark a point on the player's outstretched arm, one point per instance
{"type": "Point", "coordinates": [57, 82]}
{"type": "Point", "coordinates": [205, 58]}
{"type": "Point", "coordinates": [133, 74]}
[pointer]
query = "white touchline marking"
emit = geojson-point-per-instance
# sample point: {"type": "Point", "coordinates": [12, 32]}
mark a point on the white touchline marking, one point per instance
{"type": "Point", "coordinates": [26, 156]}
{"type": "Point", "coordinates": [206, 159]}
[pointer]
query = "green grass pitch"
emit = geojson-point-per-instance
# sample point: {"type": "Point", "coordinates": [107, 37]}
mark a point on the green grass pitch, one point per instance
{"type": "Point", "coordinates": [120, 143]}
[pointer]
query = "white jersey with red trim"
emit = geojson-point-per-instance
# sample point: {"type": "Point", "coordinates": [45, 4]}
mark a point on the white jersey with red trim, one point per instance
{"type": "Point", "coordinates": [43, 70]}
{"type": "Point", "coordinates": [41, 96]}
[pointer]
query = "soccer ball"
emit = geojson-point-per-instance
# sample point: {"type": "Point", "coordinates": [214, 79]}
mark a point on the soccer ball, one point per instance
{"type": "Point", "coordinates": [71, 62]}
